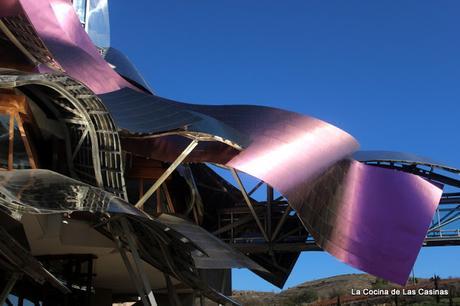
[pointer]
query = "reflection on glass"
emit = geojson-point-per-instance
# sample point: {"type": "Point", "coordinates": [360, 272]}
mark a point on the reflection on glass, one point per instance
{"type": "Point", "coordinates": [80, 8]}
{"type": "Point", "coordinates": [20, 157]}
{"type": "Point", "coordinates": [94, 15]}
{"type": "Point", "coordinates": [97, 25]}
{"type": "Point", "coordinates": [4, 140]}
{"type": "Point", "coordinates": [50, 192]}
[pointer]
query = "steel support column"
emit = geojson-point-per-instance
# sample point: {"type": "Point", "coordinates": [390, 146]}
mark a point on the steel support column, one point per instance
{"type": "Point", "coordinates": [137, 261]}
{"type": "Point", "coordinates": [137, 273]}
{"type": "Point", "coordinates": [269, 211]}
{"type": "Point", "coordinates": [132, 274]}
{"type": "Point", "coordinates": [172, 293]}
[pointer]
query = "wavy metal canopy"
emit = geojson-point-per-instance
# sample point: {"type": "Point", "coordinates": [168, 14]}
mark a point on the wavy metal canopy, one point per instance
{"type": "Point", "coordinates": [48, 192]}
{"type": "Point", "coordinates": [342, 203]}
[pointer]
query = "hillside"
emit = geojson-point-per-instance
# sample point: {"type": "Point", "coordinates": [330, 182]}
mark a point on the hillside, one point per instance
{"type": "Point", "coordinates": [327, 291]}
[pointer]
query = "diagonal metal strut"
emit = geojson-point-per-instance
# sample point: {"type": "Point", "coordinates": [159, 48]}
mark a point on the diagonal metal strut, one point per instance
{"type": "Point", "coordinates": [248, 202]}
{"type": "Point", "coordinates": [167, 173]}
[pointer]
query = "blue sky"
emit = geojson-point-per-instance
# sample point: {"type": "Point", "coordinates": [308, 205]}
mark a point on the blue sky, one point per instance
{"type": "Point", "coordinates": [388, 72]}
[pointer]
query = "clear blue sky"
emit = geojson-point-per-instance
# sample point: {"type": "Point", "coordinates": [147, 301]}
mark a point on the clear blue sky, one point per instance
{"type": "Point", "coordinates": [388, 72]}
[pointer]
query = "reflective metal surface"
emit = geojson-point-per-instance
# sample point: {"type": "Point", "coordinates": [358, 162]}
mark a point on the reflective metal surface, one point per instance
{"type": "Point", "coordinates": [47, 192]}
{"type": "Point", "coordinates": [220, 255]}
{"type": "Point", "coordinates": [44, 191]}
{"type": "Point", "coordinates": [16, 257]}
{"type": "Point", "coordinates": [289, 152]}
{"type": "Point", "coordinates": [10, 8]}
{"type": "Point", "coordinates": [371, 218]}
{"type": "Point", "coordinates": [125, 67]}
{"type": "Point", "coordinates": [351, 209]}
{"type": "Point", "coordinates": [392, 156]}
{"type": "Point", "coordinates": [57, 25]}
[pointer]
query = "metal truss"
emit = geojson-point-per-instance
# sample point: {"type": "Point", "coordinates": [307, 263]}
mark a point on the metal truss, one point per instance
{"type": "Point", "coordinates": [93, 149]}
{"type": "Point", "coordinates": [21, 33]}
{"type": "Point", "coordinates": [18, 261]}
{"type": "Point", "coordinates": [445, 227]}
{"type": "Point", "coordinates": [144, 242]}
{"type": "Point", "coordinates": [167, 173]}
{"type": "Point", "coordinates": [280, 231]}
{"type": "Point", "coordinates": [95, 154]}
{"type": "Point", "coordinates": [276, 226]}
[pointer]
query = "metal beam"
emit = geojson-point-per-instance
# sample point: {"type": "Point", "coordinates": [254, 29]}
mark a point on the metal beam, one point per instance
{"type": "Point", "coordinates": [268, 216]}
{"type": "Point", "coordinates": [168, 199]}
{"type": "Point", "coordinates": [228, 227]}
{"type": "Point", "coordinates": [80, 142]}
{"type": "Point", "coordinates": [167, 173]}
{"type": "Point", "coordinates": [7, 289]}
{"type": "Point", "coordinates": [260, 183]}
{"type": "Point", "coordinates": [75, 121]}
{"type": "Point", "coordinates": [172, 293]}
{"type": "Point", "coordinates": [289, 233]}
{"type": "Point", "coordinates": [11, 142]}
{"type": "Point", "coordinates": [281, 222]}
{"type": "Point", "coordinates": [443, 224]}
{"type": "Point", "coordinates": [450, 212]}
{"type": "Point", "coordinates": [277, 247]}
{"type": "Point", "coordinates": [70, 110]}
{"type": "Point", "coordinates": [27, 146]}
{"type": "Point", "coordinates": [132, 274]}
{"type": "Point", "coordinates": [18, 44]}
{"type": "Point", "coordinates": [248, 202]}
{"type": "Point", "coordinates": [137, 261]}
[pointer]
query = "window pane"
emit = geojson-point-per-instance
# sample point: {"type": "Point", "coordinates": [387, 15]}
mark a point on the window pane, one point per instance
{"type": "Point", "coordinates": [20, 157]}
{"type": "Point", "coordinates": [98, 22]}
{"type": "Point", "coordinates": [80, 8]}
{"type": "Point", "coordinates": [4, 139]}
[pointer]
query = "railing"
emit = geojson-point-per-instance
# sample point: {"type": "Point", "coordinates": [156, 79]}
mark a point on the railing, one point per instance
{"type": "Point", "coordinates": [445, 233]}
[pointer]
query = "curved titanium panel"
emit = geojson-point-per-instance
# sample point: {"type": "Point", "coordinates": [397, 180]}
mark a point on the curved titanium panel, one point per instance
{"type": "Point", "coordinates": [284, 149]}
{"type": "Point", "coordinates": [124, 67]}
{"type": "Point", "coordinates": [372, 218]}
{"type": "Point", "coordinates": [266, 134]}
{"type": "Point", "coordinates": [10, 8]}
{"type": "Point", "coordinates": [392, 156]}
{"type": "Point", "coordinates": [290, 152]}
{"type": "Point", "coordinates": [58, 26]}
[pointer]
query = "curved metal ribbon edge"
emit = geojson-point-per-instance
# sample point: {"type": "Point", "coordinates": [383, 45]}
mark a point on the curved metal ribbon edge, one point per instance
{"type": "Point", "coordinates": [285, 163]}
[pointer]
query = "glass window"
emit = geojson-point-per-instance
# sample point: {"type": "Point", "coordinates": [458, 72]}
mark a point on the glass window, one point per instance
{"type": "Point", "coordinates": [20, 156]}
{"type": "Point", "coordinates": [98, 26]}
{"type": "Point", "coordinates": [80, 8]}
{"type": "Point", "coordinates": [4, 140]}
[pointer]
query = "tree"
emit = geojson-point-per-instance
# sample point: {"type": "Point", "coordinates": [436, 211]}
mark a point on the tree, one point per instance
{"type": "Point", "coordinates": [379, 283]}
{"type": "Point", "coordinates": [306, 296]}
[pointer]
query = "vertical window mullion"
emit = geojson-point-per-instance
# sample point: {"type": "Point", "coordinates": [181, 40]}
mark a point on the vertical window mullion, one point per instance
{"type": "Point", "coordinates": [26, 142]}
{"type": "Point", "coordinates": [11, 141]}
